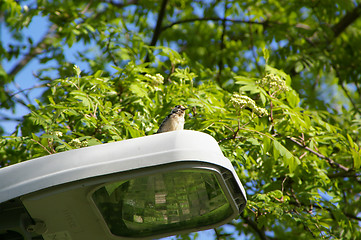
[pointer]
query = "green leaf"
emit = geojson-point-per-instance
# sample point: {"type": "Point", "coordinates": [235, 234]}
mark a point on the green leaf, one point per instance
{"type": "Point", "coordinates": [291, 161]}
{"type": "Point", "coordinates": [265, 54]}
{"type": "Point", "coordinates": [266, 143]}
{"type": "Point", "coordinates": [137, 90]}
{"type": "Point", "coordinates": [292, 98]}
{"type": "Point", "coordinates": [98, 73]}
{"type": "Point", "coordinates": [244, 80]}
{"type": "Point", "coordinates": [276, 194]}
{"type": "Point", "coordinates": [356, 156]}
{"type": "Point", "coordinates": [77, 70]}
{"type": "Point", "coordinates": [299, 67]}
{"type": "Point", "coordinates": [251, 88]}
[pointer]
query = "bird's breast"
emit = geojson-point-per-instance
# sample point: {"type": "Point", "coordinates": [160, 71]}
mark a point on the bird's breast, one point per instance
{"type": "Point", "coordinates": [177, 123]}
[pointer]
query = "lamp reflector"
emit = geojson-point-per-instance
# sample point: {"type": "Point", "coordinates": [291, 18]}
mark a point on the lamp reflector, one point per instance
{"type": "Point", "coordinates": [161, 203]}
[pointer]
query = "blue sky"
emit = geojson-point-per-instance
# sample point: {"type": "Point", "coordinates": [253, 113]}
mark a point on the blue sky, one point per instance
{"type": "Point", "coordinates": [25, 79]}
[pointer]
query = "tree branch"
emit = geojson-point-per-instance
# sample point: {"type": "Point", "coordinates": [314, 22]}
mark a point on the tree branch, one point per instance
{"type": "Point", "coordinates": [252, 224]}
{"type": "Point", "coordinates": [228, 138]}
{"type": "Point", "coordinates": [253, 50]}
{"type": "Point", "coordinates": [110, 52]}
{"type": "Point", "coordinates": [3, 117]}
{"type": "Point", "coordinates": [265, 23]}
{"type": "Point", "coordinates": [346, 21]}
{"type": "Point", "coordinates": [158, 28]}
{"type": "Point", "coordinates": [122, 5]}
{"type": "Point", "coordinates": [21, 91]}
{"type": "Point", "coordinates": [349, 97]}
{"type": "Point", "coordinates": [222, 46]}
{"type": "Point", "coordinates": [329, 160]}
{"type": "Point", "coordinates": [34, 51]}
{"type": "Point", "coordinates": [350, 174]}
{"type": "Point", "coordinates": [317, 206]}
{"type": "Point", "coordinates": [352, 216]}
{"type": "Point", "coordinates": [358, 88]}
{"type": "Point", "coordinates": [338, 75]}
{"type": "Point", "coordinates": [218, 236]}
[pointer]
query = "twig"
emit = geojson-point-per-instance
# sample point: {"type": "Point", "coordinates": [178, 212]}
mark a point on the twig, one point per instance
{"type": "Point", "coordinates": [86, 7]}
{"type": "Point", "coordinates": [295, 197]}
{"type": "Point", "coordinates": [349, 97]}
{"type": "Point", "coordinates": [271, 116]}
{"type": "Point", "coordinates": [329, 160]}
{"type": "Point", "coordinates": [305, 226]}
{"type": "Point", "coordinates": [170, 73]}
{"type": "Point", "coordinates": [110, 52]}
{"type": "Point", "coordinates": [246, 129]}
{"type": "Point", "coordinates": [7, 118]}
{"type": "Point", "coordinates": [358, 88]}
{"type": "Point", "coordinates": [317, 206]}
{"type": "Point", "coordinates": [283, 183]}
{"type": "Point", "coordinates": [22, 90]}
{"type": "Point", "coordinates": [234, 136]}
{"type": "Point", "coordinates": [228, 138]}
{"type": "Point", "coordinates": [41, 145]}
{"type": "Point", "coordinates": [263, 134]}
{"type": "Point", "coordinates": [218, 236]}
{"type": "Point", "coordinates": [344, 88]}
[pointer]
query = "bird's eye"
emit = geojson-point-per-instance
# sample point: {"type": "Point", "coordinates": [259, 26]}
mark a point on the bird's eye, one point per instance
{"type": "Point", "coordinates": [178, 106]}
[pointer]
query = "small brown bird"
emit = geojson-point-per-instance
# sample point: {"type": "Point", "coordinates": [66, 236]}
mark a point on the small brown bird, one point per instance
{"type": "Point", "coordinates": [174, 121]}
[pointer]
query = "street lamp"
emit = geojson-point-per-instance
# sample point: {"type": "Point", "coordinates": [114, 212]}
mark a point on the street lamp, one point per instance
{"type": "Point", "coordinates": [142, 188]}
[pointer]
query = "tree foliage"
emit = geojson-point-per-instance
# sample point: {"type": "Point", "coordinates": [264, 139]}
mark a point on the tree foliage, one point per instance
{"type": "Point", "coordinates": [276, 83]}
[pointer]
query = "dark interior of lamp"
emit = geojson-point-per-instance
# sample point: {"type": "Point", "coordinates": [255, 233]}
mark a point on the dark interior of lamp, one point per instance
{"type": "Point", "coordinates": [162, 203]}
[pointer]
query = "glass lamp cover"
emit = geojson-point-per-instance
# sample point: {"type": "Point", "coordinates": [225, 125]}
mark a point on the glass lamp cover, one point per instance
{"type": "Point", "coordinates": [161, 203]}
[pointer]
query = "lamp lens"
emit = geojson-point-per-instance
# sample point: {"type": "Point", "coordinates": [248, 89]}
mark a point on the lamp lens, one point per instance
{"type": "Point", "coordinates": [162, 203]}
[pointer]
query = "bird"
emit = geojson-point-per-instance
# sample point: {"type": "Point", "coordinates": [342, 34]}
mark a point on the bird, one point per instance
{"type": "Point", "coordinates": [174, 121]}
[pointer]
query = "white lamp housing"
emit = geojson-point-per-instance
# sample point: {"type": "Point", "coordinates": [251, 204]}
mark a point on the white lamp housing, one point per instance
{"type": "Point", "coordinates": [142, 188]}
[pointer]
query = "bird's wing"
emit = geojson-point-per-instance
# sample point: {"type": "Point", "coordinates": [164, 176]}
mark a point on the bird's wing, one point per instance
{"type": "Point", "coordinates": [163, 124]}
